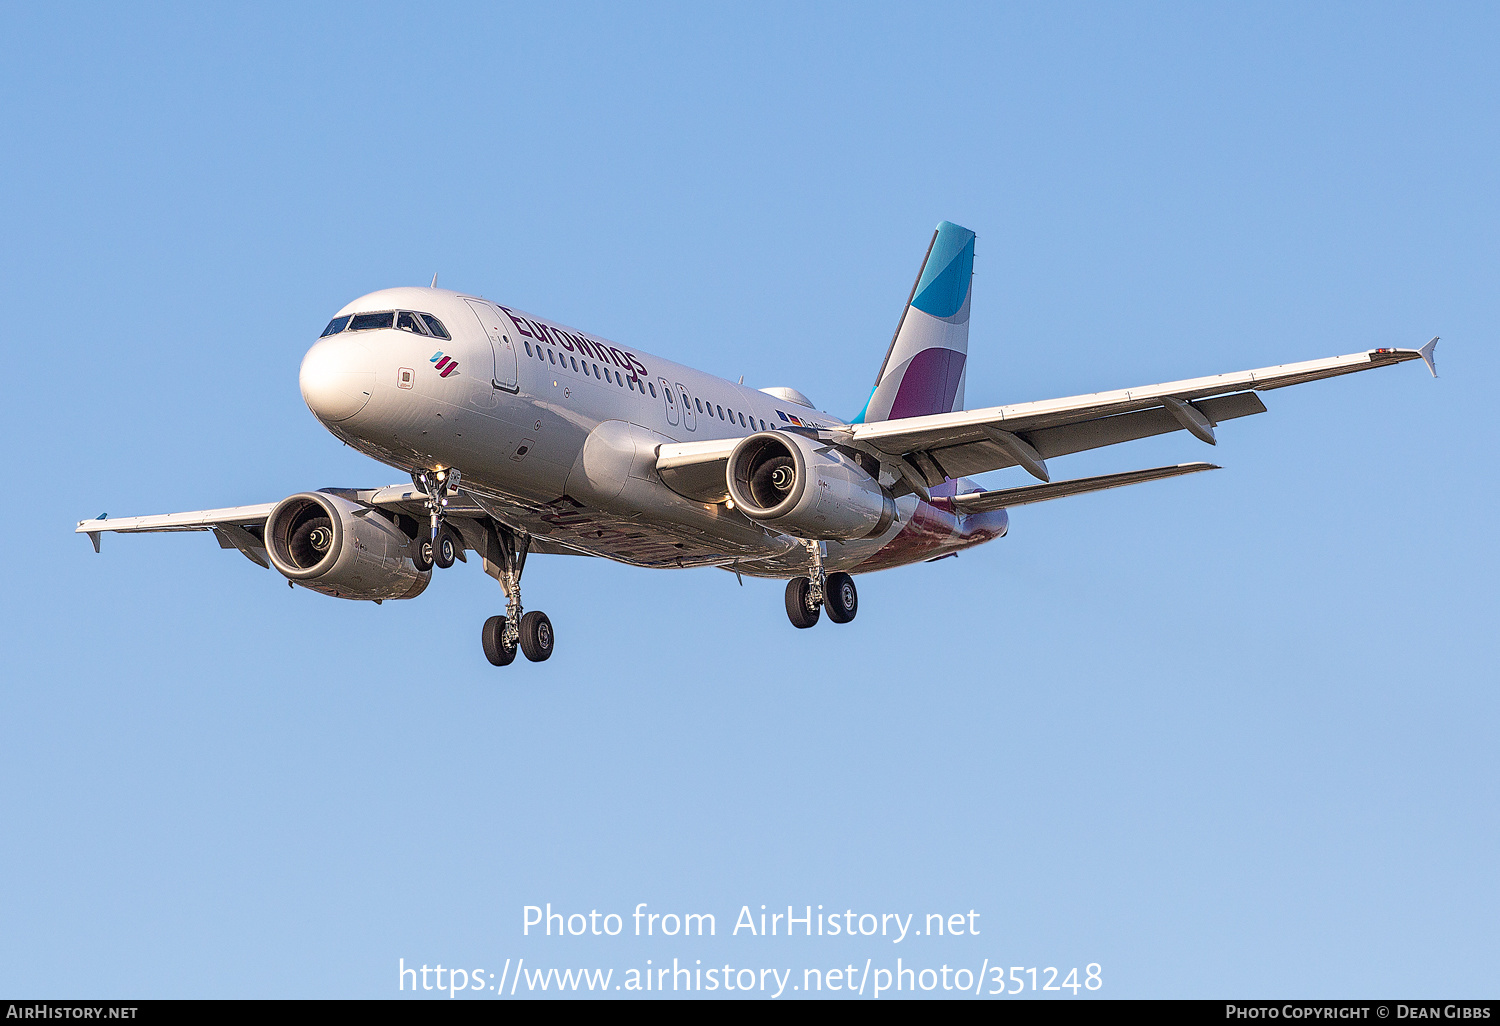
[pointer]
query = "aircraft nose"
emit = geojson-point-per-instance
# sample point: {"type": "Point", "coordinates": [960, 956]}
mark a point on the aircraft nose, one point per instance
{"type": "Point", "coordinates": [338, 377]}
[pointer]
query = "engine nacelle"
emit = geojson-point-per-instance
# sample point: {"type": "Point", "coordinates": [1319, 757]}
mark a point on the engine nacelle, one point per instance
{"type": "Point", "coordinates": [341, 548]}
{"type": "Point", "coordinates": [806, 489]}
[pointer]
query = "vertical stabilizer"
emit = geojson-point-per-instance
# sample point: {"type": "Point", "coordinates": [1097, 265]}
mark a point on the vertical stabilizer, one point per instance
{"type": "Point", "coordinates": [924, 368]}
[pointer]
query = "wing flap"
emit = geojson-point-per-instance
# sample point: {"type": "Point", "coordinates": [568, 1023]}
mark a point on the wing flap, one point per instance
{"type": "Point", "coordinates": [1126, 427]}
{"type": "Point", "coordinates": [983, 502]}
{"type": "Point", "coordinates": [979, 457]}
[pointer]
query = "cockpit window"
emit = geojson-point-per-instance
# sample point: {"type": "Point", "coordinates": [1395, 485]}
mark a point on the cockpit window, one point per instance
{"type": "Point", "coordinates": [436, 326]}
{"type": "Point", "coordinates": [335, 326]}
{"type": "Point", "coordinates": [366, 322]}
{"type": "Point", "coordinates": [408, 321]}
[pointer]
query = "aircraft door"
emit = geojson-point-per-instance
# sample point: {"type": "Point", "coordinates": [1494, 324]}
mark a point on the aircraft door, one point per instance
{"type": "Point", "coordinates": [498, 332]}
{"type": "Point", "coordinates": [669, 400]}
{"type": "Point", "coordinates": [689, 418]}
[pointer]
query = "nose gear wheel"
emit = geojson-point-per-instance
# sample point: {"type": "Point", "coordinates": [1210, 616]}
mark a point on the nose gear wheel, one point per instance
{"type": "Point", "coordinates": [421, 552]}
{"type": "Point", "coordinates": [445, 549]}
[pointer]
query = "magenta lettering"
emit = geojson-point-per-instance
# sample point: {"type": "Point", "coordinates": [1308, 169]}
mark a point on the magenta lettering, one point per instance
{"type": "Point", "coordinates": [519, 321]}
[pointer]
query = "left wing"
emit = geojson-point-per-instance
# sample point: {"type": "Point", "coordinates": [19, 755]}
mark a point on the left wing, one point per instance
{"type": "Point", "coordinates": [927, 450]}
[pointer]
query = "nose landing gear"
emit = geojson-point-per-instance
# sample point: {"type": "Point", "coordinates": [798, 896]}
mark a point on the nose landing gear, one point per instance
{"type": "Point", "coordinates": [438, 546]}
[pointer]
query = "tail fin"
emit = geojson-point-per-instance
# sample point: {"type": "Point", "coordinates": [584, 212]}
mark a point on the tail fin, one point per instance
{"type": "Point", "coordinates": [924, 369]}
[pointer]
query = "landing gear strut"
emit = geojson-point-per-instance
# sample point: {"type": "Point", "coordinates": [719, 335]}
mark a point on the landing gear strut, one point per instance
{"type": "Point", "coordinates": [807, 596]}
{"type": "Point", "coordinates": [531, 632]}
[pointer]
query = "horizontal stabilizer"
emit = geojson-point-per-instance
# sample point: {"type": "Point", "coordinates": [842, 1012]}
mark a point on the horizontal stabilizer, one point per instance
{"type": "Point", "coordinates": [983, 502]}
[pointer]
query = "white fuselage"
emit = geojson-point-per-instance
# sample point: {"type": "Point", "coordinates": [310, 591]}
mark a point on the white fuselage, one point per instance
{"type": "Point", "coordinates": [555, 432]}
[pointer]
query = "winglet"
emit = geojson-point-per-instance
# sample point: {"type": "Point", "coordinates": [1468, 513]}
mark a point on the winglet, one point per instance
{"type": "Point", "coordinates": [94, 535]}
{"type": "Point", "coordinates": [1426, 354]}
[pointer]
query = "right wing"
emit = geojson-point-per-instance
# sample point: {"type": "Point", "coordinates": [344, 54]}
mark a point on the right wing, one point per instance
{"type": "Point", "coordinates": [237, 527]}
{"type": "Point", "coordinates": [243, 527]}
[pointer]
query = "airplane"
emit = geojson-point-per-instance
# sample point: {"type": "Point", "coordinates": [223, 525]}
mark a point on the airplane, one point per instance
{"type": "Point", "coordinates": [524, 436]}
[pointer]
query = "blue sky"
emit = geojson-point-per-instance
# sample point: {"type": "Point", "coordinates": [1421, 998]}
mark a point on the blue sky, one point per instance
{"type": "Point", "coordinates": [1226, 735]}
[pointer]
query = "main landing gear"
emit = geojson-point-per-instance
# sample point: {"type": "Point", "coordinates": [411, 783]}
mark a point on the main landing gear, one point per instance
{"type": "Point", "coordinates": [530, 632]}
{"type": "Point", "coordinates": [806, 597]}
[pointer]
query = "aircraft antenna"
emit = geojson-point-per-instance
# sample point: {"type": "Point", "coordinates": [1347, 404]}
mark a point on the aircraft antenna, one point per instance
{"type": "Point", "coordinates": [434, 280]}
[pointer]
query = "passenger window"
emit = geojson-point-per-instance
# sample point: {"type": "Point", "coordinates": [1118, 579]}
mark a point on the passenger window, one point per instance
{"type": "Point", "coordinates": [619, 379]}
{"type": "Point", "coordinates": [550, 357]}
{"type": "Point", "coordinates": [596, 370]}
{"type": "Point", "coordinates": [335, 326]}
{"type": "Point", "coordinates": [699, 403]}
{"type": "Point", "coordinates": [670, 399]}
{"type": "Point", "coordinates": [742, 420]}
{"type": "Point", "coordinates": [368, 322]}
{"type": "Point", "coordinates": [408, 321]}
{"type": "Point", "coordinates": [721, 413]}
{"type": "Point", "coordinates": [653, 389]}
{"type": "Point", "coordinates": [436, 326]}
{"type": "Point", "coordinates": [528, 347]}
{"type": "Point", "coordinates": [573, 362]}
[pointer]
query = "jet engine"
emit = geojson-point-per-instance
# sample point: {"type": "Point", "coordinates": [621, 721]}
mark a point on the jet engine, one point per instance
{"type": "Point", "coordinates": [806, 489]}
{"type": "Point", "coordinates": [341, 548]}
